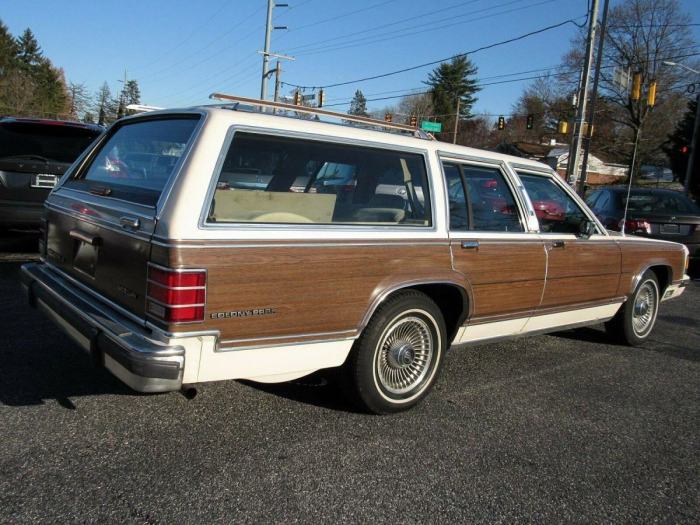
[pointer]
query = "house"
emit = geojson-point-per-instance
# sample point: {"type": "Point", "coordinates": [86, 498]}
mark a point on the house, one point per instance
{"type": "Point", "coordinates": [598, 171]}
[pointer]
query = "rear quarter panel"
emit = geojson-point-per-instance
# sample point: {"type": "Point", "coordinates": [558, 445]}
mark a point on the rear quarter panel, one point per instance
{"type": "Point", "coordinates": [638, 254]}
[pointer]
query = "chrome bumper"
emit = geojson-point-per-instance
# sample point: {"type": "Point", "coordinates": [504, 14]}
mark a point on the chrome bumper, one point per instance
{"type": "Point", "coordinates": [122, 346]}
{"type": "Point", "coordinates": [674, 290]}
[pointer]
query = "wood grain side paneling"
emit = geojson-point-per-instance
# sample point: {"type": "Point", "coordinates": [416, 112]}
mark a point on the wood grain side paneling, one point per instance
{"type": "Point", "coordinates": [639, 255]}
{"type": "Point", "coordinates": [313, 288]}
{"type": "Point", "coordinates": [506, 276]}
{"type": "Point", "coordinates": [581, 271]}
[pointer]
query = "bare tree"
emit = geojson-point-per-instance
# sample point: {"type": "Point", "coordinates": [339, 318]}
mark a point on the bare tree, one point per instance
{"type": "Point", "coordinates": [641, 35]}
{"type": "Point", "coordinates": [79, 99]}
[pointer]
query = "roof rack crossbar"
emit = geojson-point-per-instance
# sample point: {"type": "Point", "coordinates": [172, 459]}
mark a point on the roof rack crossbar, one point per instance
{"type": "Point", "coordinates": [312, 111]}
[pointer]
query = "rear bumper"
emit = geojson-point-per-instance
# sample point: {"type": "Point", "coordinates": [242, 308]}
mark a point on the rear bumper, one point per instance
{"type": "Point", "coordinates": [111, 340]}
{"type": "Point", "coordinates": [20, 214]}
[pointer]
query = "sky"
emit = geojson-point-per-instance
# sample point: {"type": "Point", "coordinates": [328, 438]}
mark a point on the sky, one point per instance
{"type": "Point", "coordinates": [180, 51]}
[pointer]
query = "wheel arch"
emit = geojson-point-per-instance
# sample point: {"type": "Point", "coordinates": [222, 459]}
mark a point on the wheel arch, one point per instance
{"type": "Point", "coordinates": [663, 272]}
{"type": "Point", "coordinates": [453, 299]}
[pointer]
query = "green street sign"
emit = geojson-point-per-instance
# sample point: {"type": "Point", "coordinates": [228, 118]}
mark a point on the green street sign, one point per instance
{"type": "Point", "coordinates": [434, 127]}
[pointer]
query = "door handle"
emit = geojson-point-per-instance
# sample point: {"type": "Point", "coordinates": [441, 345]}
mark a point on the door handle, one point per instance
{"type": "Point", "coordinates": [93, 240]}
{"type": "Point", "coordinates": [130, 222]}
{"type": "Point", "coordinates": [558, 244]}
{"type": "Point", "coordinates": [470, 245]}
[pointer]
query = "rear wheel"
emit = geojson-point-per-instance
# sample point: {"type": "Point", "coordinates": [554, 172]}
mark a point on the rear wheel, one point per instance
{"type": "Point", "coordinates": [636, 318]}
{"type": "Point", "coordinates": [396, 360]}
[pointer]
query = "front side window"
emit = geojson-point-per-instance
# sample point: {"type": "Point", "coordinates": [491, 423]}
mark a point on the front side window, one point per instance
{"type": "Point", "coordinates": [267, 179]}
{"type": "Point", "coordinates": [480, 199]}
{"type": "Point", "coordinates": [556, 211]}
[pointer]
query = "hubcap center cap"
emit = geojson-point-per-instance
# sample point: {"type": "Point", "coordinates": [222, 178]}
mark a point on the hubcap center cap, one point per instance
{"type": "Point", "coordinates": [641, 308]}
{"type": "Point", "coordinates": [401, 356]}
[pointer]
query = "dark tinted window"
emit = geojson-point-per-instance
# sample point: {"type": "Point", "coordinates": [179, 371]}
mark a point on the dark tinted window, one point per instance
{"type": "Point", "coordinates": [661, 202]}
{"type": "Point", "coordinates": [592, 199]}
{"type": "Point", "coordinates": [53, 142]}
{"type": "Point", "coordinates": [556, 211]}
{"type": "Point", "coordinates": [283, 180]}
{"type": "Point", "coordinates": [480, 199]}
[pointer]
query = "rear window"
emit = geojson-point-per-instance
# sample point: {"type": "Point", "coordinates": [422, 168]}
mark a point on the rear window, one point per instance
{"type": "Point", "coordinates": [37, 141]}
{"type": "Point", "coordinates": [268, 179]}
{"type": "Point", "coordinates": [658, 203]}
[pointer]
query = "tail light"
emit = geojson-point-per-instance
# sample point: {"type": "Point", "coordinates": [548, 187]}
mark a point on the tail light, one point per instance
{"type": "Point", "coordinates": [636, 226]}
{"type": "Point", "coordinates": [176, 295]}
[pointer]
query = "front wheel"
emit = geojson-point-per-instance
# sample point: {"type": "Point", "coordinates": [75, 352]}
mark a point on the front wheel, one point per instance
{"type": "Point", "coordinates": [636, 318]}
{"type": "Point", "coordinates": [396, 360]}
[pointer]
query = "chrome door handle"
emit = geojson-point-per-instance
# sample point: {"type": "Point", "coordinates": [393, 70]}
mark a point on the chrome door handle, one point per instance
{"type": "Point", "coordinates": [130, 222]}
{"type": "Point", "coordinates": [78, 235]}
{"type": "Point", "coordinates": [558, 244]}
{"type": "Point", "coordinates": [470, 245]}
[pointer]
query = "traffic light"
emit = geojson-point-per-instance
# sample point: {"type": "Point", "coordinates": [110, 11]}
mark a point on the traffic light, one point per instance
{"type": "Point", "coordinates": [413, 121]}
{"type": "Point", "coordinates": [388, 117]}
{"type": "Point", "coordinates": [636, 86]}
{"type": "Point", "coordinates": [651, 94]}
{"type": "Point", "coordinates": [530, 121]}
{"type": "Point", "coordinates": [501, 122]}
{"type": "Point", "coordinates": [297, 98]}
{"type": "Point", "coordinates": [321, 96]}
{"type": "Point", "coordinates": [563, 127]}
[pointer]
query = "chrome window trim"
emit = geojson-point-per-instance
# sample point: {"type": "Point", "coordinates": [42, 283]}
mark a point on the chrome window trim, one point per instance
{"type": "Point", "coordinates": [321, 244]}
{"type": "Point", "coordinates": [203, 224]}
{"type": "Point", "coordinates": [490, 163]}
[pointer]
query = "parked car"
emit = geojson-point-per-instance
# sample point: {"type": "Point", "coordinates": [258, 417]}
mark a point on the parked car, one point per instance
{"type": "Point", "coordinates": [656, 213]}
{"type": "Point", "coordinates": [34, 153]}
{"type": "Point", "coordinates": [169, 277]}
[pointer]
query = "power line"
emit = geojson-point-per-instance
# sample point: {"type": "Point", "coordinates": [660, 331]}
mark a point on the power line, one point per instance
{"type": "Point", "coordinates": [426, 64]}
{"type": "Point", "coordinates": [343, 15]}
{"type": "Point", "coordinates": [411, 32]}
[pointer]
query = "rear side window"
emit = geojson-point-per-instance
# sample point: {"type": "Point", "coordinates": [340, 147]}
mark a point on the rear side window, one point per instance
{"type": "Point", "coordinates": [138, 158]}
{"type": "Point", "coordinates": [556, 211]}
{"type": "Point", "coordinates": [266, 179]}
{"type": "Point", "coordinates": [43, 141]}
{"type": "Point", "coordinates": [480, 200]}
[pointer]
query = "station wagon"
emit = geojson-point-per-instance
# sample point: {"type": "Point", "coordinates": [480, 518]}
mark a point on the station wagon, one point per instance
{"type": "Point", "coordinates": [236, 241]}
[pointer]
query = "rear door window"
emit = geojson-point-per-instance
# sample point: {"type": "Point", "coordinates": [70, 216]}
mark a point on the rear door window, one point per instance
{"type": "Point", "coordinates": [50, 142]}
{"type": "Point", "coordinates": [480, 199]}
{"type": "Point", "coordinates": [137, 159]}
{"type": "Point", "coordinates": [269, 179]}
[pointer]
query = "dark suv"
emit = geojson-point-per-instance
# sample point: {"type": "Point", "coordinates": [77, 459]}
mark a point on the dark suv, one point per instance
{"type": "Point", "coordinates": [34, 153]}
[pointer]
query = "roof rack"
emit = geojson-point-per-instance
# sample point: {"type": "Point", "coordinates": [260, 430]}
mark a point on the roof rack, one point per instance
{"type": "Point", "coordinates": [318, 111]}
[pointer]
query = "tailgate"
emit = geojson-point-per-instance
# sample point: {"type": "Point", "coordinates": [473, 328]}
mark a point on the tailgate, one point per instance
{"type": "Point", "coordinates": [100, 220]}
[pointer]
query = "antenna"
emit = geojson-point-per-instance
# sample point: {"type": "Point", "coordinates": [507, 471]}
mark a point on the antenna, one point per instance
{"type": "Point", "coordinates": [629, 182]}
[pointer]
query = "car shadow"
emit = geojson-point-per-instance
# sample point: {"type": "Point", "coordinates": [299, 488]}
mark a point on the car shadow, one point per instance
{"type": "Point", "coordinates": [320, 389]}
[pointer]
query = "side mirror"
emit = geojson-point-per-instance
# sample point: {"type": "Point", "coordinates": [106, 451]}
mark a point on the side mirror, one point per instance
{"type": "Point", "coordinates": [586, 229]}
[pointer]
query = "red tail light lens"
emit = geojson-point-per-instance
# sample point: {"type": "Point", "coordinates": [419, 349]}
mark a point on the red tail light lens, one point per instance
{"type": "Point", "coordinates": [176, 296]}
{"type": "Point", "coordinates": [636, 226]}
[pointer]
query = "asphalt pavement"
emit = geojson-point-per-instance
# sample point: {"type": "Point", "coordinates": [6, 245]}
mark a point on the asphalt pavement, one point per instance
{"type": "Point", "coordinates": [555, 428]}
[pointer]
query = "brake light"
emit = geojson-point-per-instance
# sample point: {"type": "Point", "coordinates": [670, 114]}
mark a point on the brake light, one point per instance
{"type": "Point", "coordinates": [636, 226]}
{"type": "Point", "coordinates": [176, 295]}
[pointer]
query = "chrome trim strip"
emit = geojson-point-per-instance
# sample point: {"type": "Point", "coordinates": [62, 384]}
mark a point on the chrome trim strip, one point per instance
{"type": "Point", "coordinates": [156, 301]}
{"type": "Point", "coordinates": [164, 334]}
{"type": "Point", "coordinates": [204, 225]}
{"type": "Point", "coordinates": [294, 336]}
{"type": "Point", "coordinates": [160, 285]}
{"type": "Point", "coordinates": [179, 270]}
{"type": "Point", "coordinates": [273, 244]}
{"type": "Point", "coordinates": [255, 347]}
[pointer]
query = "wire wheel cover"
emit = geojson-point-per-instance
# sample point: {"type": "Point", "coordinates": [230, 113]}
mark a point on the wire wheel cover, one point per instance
{"type": "Point", "coordinates": [644, 313]}
{"type": "Point", "coordinates": [404, 355]}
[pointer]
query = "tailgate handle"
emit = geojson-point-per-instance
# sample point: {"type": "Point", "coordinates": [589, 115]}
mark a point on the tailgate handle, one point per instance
{"type": "Point", "coordinates": [130, 222]}
{"type": "Point", "coordinates": [93, 240]}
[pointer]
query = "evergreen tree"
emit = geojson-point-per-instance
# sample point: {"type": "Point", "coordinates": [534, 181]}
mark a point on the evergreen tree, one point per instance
{"type": "Point", "coordinates": [29, 52]}
{"type": "Point", "coordinates": [451, 81]}
{"type": "Point", "coordinates": [358, 105]}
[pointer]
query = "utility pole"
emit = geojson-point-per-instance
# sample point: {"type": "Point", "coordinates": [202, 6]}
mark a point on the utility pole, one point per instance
{"type": "Point", "coordinates": [278, 73]}
{"type": "Point", "coordinates": [591, 112]}
{"type": "Point", "coordinates": [573, 164]}
{"type": "Point", "coordinates": [266, 51]}
{"type": "Point", "coordinates": [454, 134]}
{"type": "Point", "coordinates": [692, 158]}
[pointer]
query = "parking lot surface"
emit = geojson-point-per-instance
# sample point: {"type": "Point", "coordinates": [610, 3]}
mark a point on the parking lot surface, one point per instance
{"type": "Point", "coordinates": [563, 427]}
